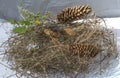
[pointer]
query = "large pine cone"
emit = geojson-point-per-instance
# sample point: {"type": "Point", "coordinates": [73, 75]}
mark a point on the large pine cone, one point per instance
{"type": "Point", "coordinates": [84, 50]}
{"type": "Point", "coordinates": [71, 14]}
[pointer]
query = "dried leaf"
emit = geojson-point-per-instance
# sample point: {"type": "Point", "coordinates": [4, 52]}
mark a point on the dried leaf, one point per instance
{"type": "Point", "coordinates": [52, 33]}
{"type": "Point", "coordinates": [47, 31]}
{"type": "Point", "coordinates": [69, 31]}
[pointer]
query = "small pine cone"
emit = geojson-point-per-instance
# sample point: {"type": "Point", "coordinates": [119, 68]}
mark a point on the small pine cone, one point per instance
{"type": "Point", "coordinates": [71, 14]}
{"type": "Point", "coordinates": [84, 50]}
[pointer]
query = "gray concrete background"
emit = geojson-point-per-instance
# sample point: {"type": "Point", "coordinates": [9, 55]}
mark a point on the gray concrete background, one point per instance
{"type": "Point", "coordinates": [8, 9]}
{"type": "Point", "coordinates": [103, 8]}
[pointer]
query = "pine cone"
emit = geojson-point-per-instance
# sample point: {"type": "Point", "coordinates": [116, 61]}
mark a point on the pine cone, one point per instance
{"type": "Point", "coordinates": [84, 50]}
{"type": "Point", "coordinates": [71, 14]}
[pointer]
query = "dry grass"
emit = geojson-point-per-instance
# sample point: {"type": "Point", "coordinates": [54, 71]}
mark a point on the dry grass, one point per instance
{"type": "Point", "coordinates": [50, 50]}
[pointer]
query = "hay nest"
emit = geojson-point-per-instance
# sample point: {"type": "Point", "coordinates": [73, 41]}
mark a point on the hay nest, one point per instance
{"type": "Point", "coordinates": [53, 48]}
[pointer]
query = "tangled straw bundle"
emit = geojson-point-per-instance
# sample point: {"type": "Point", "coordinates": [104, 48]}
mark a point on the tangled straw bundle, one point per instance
{"type": "Point", "coordinates": [52, 49]}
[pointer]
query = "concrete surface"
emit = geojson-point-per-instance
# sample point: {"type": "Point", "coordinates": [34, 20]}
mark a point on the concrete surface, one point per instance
{"type": "Point", "coordinates": [103, 8]}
